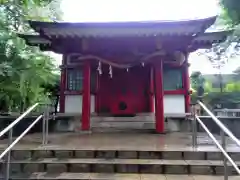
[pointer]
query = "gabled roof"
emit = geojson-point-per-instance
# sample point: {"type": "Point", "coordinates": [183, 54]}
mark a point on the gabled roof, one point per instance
{"type": "Point", "coordinates": [212, 37]}
{"type": "Point", "coordinates": [34, 40]}
{"type": "Point", "coordinates": [206, 40]}
{"type": "Point", "coordinates": [202, 41]}
{"type": "Point", "coordinates": [123, 29]}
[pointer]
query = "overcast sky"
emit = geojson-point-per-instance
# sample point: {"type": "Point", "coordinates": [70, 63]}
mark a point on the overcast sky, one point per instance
{"type": "Point", "coordinates": [133, 10]}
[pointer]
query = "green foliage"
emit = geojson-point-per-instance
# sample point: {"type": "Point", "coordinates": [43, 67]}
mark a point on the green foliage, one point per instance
{"type": "Point", "coordinates": [231, 11]}
{"type": "Point", "coordinates": [43, 10]}
{"type": "Point", "coordinates": [232, 87]}
{"type": "Point", "coordinates": [197, 80]}
{"type": "Point", "coordinates": [213, 96]}
{"type": "Point", "coordinates": [229, 19]}
{"type": "Point", "coordinates": [24, 70]}
{"type": "Point", "coordinates": [226, 99]}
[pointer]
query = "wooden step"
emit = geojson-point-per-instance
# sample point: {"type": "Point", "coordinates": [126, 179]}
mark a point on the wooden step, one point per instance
{"type": "Point", "coordinates": [54, 165]}
{"type": "Point", "coordinates": [113, 176]}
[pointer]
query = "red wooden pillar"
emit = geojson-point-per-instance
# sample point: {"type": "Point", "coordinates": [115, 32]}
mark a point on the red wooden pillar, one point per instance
{"type": "Point", "coordinates": [186, 80]}
{"type": "Point", "coordinates": [63, 85]}
{"type": "Point", "coordinates": [86, 99]}
{"type": "Point", "coordinates": [159, 92]}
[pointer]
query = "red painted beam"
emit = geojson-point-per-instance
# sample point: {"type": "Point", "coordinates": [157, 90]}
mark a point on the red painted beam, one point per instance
{"type": "Point", "coordinates": [63, 85]}
{"type": "Point", "coordinates": [86, 99]}
{"type": "Point", "coordinates": [175, 92]}
{"type": "Point", "coordinates": [159, 92]}
{"type": "Point", "coordinates": [72, 92]}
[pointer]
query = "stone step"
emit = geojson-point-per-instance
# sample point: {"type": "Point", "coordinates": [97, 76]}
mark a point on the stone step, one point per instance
{"type": "Point", "coordinates": [113, 176]}
{"type": "Point", "coordinates": [53, 165]}
{"type": "Point", "coordinates": [178, 154]}
{"type": "Point", "coordinates": [127, 124]}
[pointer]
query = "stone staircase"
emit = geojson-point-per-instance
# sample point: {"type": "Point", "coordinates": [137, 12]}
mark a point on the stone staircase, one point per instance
{"type": "Point", "coordinates": [144, 122]}
{"type": "Point", "coordinates": [65, 163]}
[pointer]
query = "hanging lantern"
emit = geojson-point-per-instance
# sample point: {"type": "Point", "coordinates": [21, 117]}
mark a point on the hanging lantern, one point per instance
{"type": "Point", "coordinates": [99, 68]}
{"type": "Point", "coordinates": [127, 70]}
{"type": "Point", "coordinates": [143, 64]}
{"type": "Point", "coordinates": [110, 71]}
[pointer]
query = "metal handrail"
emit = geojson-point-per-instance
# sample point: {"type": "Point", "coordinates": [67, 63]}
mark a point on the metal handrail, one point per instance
{"type": "Point", "coordinates": [10, 126]}
{"type": "Point", "coordinates": [220, 124]}
{"type": "Point", "coordinates": [218, 145]}
{"type": "Point", "coordinates": [226, 110]}
{"type": "Point", "coordinates": [224, 130]}
{"type": "Point", "coordinates": [19, 137]}
{"type": "Point", "coordinates": [9, 129]}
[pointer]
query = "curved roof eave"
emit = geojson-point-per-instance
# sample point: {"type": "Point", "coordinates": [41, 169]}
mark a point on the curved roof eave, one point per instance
{"type": "Point", "coordinates": [183, 27]}
{"type": "Point", "coordinates": [35, 24]}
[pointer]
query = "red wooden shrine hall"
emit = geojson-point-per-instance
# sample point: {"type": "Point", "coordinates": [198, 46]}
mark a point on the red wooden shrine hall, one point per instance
{"type": "Point", "coordinates": [125, 69]}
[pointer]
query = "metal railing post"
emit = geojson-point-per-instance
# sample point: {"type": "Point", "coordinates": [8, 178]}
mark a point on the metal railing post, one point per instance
{"type": "Point", "coordinates": [47, 123]}
{"type": "Point", "coordinates": [223, 138]}
{"type": "Point", "coordinates": [194, 128]}
{"type": "Point", "coordinates": [8, 157]}
{"type": "Point", "coordinates": [44, 128]}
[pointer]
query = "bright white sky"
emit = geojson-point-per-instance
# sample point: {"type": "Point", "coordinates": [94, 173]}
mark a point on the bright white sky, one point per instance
{"type": "Point", "coordinates": [134, 10]}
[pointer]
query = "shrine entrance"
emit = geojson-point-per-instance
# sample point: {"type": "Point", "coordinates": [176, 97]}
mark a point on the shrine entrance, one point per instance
{"type": "Point", "coordinates": [125, 92]}
{"type": "Point", "coordinates": [124, 54]}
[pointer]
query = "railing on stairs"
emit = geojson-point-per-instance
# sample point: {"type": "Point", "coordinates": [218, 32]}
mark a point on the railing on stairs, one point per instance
{"type": "Point", "coordinates": [45, 117]}
{"type": "Point", "coordinates": [227, 112]}
{"type": "Point", "coordinates": [224, 131]}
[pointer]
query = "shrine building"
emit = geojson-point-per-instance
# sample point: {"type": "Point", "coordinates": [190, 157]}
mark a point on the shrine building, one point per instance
{"type": "Point", "coordinates": [125, 68]}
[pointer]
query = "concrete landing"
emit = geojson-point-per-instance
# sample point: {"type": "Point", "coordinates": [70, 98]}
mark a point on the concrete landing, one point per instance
{"type": "Point", "coordinates": [106, 176]}
{"type": "Point", "coordinates": [123, 141]}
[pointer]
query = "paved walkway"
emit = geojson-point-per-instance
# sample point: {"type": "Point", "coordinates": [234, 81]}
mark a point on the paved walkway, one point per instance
{"type": "Point", "coordinates": [124, 141]}
{"type": "Point", "coordinates": [103, 176]}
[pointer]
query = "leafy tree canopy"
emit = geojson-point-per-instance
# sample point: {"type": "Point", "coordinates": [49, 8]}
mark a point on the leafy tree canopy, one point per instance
{"type": "Point", "coordinates": [27, 75]}
{"type": "Point", "coordinates": [231, 11]}
{"type": "Point", "coordinates": [220, 54]}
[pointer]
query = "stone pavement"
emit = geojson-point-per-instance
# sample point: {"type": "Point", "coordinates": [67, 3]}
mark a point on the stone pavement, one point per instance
{"type": "Point", "coordinates": [102, 176]}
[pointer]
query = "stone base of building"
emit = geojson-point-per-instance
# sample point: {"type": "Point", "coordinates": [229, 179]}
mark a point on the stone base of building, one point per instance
{"type": "Point", "coordinates": [138, 123]}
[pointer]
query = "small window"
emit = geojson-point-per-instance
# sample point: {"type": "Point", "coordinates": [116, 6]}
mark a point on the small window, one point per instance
{"type": "Point", "coordinates": [172, 79]}
{"type": "Point", "coordinates": [74, 79]}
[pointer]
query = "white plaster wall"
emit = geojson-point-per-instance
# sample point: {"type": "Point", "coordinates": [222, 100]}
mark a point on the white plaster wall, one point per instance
{"type": "Point", "coordinates": [73, 104]}
{"type": "Point", "coordinates": [173, 104]}
{"type": "Point", "coordinates": [92, 103]}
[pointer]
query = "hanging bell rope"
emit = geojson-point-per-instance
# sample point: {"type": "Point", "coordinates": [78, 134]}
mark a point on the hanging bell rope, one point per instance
{"type": "Point", "coordinates": [99, 68]}
{"type": "Point", "coordinates": [110, 71]}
